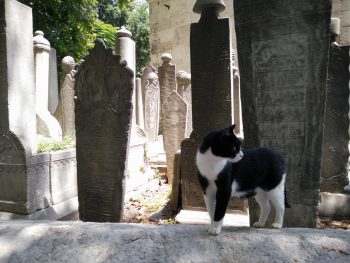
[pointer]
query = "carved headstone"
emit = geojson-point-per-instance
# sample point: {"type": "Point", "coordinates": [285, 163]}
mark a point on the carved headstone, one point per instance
{"type": "Point", "coordinates": [167, 82]}
{"type": "Point", "coordinates": [211, 94]}
{"type": "Point", "coordinates": [24, 188]}
{"type": "Point", "coordinates": [150, 91]}
{"type": "Point", "coordinates": [174, 127]}
{"type": "Point", "coordinates": [336, 137]}
{"type": "Point", "coordinates": [65, 109]}
{"type": "Point", "coordinates": [283, 55]}
{"type": "Point", "coordinates": [103, 111]}
{"type": "Point", "coordinates": [184, 89]}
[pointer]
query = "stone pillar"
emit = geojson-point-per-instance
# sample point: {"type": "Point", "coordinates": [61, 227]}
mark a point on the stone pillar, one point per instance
{"type": "Point", "coordinates": [53, 82]}
{"type": "Point", "coordinates": [283, 54]}
{"type": "Point", "coordinates": [125, 48]}
{"type": "Point", "coordinates": [47, 125]}
{"type": "Point", "coordinates": [150, 95]}
{"type": "Point", "coordinates": [103, 117]}
{"type": "Point", "coordinates": [335, 155]}
{"type": "Point", "coordinates": [211, 93]}
{"type": "Point", "coordinates": [139, 105]}
{"type": "Point", "coordinates": [236, 95]}
{"type": "Point", "coordinates": [65, 109]}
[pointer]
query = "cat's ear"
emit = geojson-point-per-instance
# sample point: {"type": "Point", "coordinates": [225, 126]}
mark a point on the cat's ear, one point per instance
{"type": "Point", "coordinates": [231, 130]}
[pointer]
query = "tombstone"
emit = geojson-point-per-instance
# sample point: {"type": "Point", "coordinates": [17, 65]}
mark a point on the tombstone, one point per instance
{"type": "Point", "coordinates": [139, 105]}
{"type": "Point", "coordinates": [211, 94]}
{"type": "Point", "coordinates": [125, 47]}
{"type": "Point", "coordinates": [167, 82]}
{"type": "Point", "coordinates": [53, 82]}
{"type": "Point", "coordinates": [23, 188]}
{"type": "Point", "coordinates": [150, 95]}
{"type": "Point", "coordinates": [174, 112]}
{"type": "Point", "coordinates": [104, 86]}
{"type": "Point", "coordinates": [237, 107]}
{"type": "Point", "coordinates": [184, 89]}
{"type": "Point", "coordinates": [65, 109]}
{"type": "Point", "coordinates": [336, 137]}
{"type": "Point", "coordinates": [47, 125]}
{"type": "Point", "coordinates": [283, 55]}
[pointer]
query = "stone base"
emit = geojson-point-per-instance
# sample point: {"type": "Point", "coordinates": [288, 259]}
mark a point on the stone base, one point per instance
{"type": "Point", "coordinates": [26, 241]}
{"type": "Point", "coordinates": [335, 205]}
{"type": "Point", "coordinates": [202, 218]}
{"type": "Point", "coordinates": [53, 212]}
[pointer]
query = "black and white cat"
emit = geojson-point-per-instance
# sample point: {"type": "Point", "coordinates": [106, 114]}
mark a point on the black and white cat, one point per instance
{"type": "Point", "coordinates": [225, 170]}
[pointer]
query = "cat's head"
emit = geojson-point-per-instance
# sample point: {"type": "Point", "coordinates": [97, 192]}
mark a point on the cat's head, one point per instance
{"type": "Point", "coordinates": [223, 143]}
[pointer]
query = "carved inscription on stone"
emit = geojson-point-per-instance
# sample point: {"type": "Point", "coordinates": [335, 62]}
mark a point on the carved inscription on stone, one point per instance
{"type": "Point", "coordinates": [151, 95]}
{"type": "Point", "coordinates": [280, 84]}
{"type": "Point", "coordinates": [211, 75]}
{"type": "Point", "coordinates": [103, 113]}
{"type": "Point", "coordinates": [283, 68]}
{"type": "Point", "coordinates": [167, 83]}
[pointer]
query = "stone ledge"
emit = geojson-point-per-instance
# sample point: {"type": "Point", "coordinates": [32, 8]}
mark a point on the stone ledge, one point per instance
{"type": "Point", "coordinates": [52, 241]}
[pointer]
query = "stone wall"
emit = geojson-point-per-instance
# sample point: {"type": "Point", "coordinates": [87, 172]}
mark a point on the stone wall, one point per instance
{"type": "Point", "coordinates": [170, 28]}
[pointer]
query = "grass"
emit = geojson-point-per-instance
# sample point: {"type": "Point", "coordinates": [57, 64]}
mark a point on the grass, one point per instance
{"type": "Point", "coordinates": [54, 145]}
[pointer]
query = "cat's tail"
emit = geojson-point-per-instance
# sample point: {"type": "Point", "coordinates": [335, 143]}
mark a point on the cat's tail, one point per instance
{"type": "Point", "coordinates": [286, 204]}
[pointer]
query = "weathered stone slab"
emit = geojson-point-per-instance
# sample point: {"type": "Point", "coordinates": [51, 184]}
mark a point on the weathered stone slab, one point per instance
{"type": "Point", "coordinates": [63, 175]}
{"type": "Point", "coordinates": [184, 89]}
{"type": "Point", "coordinates": [211, 98]}
{"type": "Point", "coordinates": [23, 241]}
{"type": "Point", "coordinates": [174, 112]}
{"type": "Point", "coordinates": [167, 82]}
{"type": "Point", "coordinates": [151, 98]}
{"type": "Point", "coordinates": [24, 180]}
{"type": "Point", "coordinates": [17, 107]}
{"type": "Point", "coordinates": [283, 55]}
{"type": "Point", "coordinates": [336, 137]}
{"type": "Point", "coordinates": [103, 111]}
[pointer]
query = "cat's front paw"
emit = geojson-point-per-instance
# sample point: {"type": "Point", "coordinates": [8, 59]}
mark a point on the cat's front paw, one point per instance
{"type": "Point", "coordinates": [258, 225]}
{"type": "Point", "coordinates": [276, 225]}
{"type": "Point", "coordinates": [214, 230]}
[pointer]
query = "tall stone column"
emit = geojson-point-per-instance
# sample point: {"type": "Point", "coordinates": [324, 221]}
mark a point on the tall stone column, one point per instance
{"type": "Point", "coordinates": [283, 54]}
{"type": "Point", "coordinates": [139, 105]}
{"type": "Point", "coordinates": [211, 72]}
{"type": "Point", "coordinates": [125, 48]}
{"type": "Point", "coordinates": [47, 125]}
{"type": "Point", "coordinates": [335, 155]}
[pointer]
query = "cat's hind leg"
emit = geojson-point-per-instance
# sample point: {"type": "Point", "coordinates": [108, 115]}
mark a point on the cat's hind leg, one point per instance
{"type": "Point", "coordinates": [264, 203]}
{"type": "Point", "coordinates": [277, 199]}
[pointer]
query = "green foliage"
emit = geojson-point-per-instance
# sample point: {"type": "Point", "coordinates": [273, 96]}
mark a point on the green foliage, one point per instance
{"type": "Point", "coordinates": [106, 32]}
{"type": "Point", "coordinates": [138, 24]}
{"type": "Point", "coordinates": [134, 15]}
{"type": "Point", "coordinates": [67, 24]}
{"type": "Point", "coordinates": [53, 145]}
{"type": "Point", "coordinates": [71, 26]}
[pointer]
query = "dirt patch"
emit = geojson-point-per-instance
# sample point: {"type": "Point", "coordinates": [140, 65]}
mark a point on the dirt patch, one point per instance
{"type": "Point", "coordinates": [150, 204]}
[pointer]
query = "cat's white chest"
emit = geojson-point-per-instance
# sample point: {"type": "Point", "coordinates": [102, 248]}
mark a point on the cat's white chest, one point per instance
{"type": "Point", "coordinates": [209, 165]}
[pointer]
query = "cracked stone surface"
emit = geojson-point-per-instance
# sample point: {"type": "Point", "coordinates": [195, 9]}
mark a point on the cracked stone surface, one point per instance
{"type": "Point", "coordinates": [48, 241]}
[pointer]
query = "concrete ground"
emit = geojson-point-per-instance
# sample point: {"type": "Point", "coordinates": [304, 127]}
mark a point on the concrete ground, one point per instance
{"type": "Point", "coordinates": [53, 241]}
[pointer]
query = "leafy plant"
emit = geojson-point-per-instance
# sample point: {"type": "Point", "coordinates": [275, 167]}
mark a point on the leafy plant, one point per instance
{"type": "Point", "coordinates": [54, 145]}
